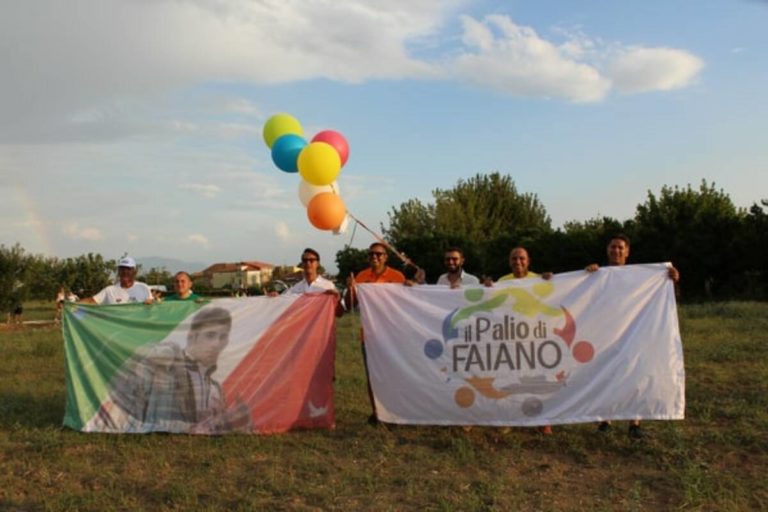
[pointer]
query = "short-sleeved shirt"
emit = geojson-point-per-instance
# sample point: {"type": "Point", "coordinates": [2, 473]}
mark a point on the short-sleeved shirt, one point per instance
{"type": "Point", "coordinates": [389, 275]}
{"type": "Point", "coordinates": [175, 296]}
{"type": "Point", "coordinates": [464, 279]}
{"type": "Point", "coordinates": [319, 285]}
{"type": "Point", "coordinates": [116, 294]}
{"type": "Point", "coordinates": [509, 277]}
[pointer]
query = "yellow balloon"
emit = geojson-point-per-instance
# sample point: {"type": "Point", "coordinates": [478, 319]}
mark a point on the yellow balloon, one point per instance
{"type": "Point", "coordinates": [319, 163]}
{"type": "Point", "coordinates": [279, 125]}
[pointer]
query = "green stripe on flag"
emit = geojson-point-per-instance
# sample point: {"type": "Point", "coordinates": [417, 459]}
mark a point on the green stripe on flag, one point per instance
{"type": "Point", "coordinates": [99, 339]}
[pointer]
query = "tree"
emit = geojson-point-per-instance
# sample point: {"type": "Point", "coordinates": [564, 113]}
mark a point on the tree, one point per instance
{"type": "Point", "coordinates": [585, 242]}
{"type": "Point", "coordinates": [13, 277]}
{"type": "Point", "coordinates": [85, 274]}
{"type": "Point", "coordinates": [484, 215]}
{"type": "Point", "coordinates": [350, 260]}
{"type": "Point", "coordinates": [751, 266]}
{"type": "Point", "coordinates": [476, 210]}
{"type": "Point", "coordinates": [157, 276]}
{"type": "Point", "coordinates": [695, 229]}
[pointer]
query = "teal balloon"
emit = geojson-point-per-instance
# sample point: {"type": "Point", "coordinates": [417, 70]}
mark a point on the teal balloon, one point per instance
{"type": "Point", "coordinates": [285, 152]}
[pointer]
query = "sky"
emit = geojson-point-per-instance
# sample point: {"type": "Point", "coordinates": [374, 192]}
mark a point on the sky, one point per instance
{"type": "Point", "coordinates": [136, 126]}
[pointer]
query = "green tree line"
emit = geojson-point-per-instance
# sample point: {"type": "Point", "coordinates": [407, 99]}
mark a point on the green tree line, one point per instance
{"type": "Point", "coordinates": [25, 276]}
{"type": "Point", "coordinates": [720, 250]}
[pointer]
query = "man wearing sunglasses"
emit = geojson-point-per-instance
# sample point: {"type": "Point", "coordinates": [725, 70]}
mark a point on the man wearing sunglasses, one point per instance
{"type": "Point", "coordinates": [378, 271]}
{"type": "Point", "coordinates": [312, 281]}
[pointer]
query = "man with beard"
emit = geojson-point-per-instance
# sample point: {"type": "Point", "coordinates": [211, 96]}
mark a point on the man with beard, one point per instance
{"type": "Point", "coordinates": [455, 277]}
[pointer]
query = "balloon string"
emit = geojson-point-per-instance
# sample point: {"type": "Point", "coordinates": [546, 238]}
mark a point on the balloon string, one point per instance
{"type": "Point", "coordinates": [352, 238]}
{"type": "Point", "coordinates": [405, 259]}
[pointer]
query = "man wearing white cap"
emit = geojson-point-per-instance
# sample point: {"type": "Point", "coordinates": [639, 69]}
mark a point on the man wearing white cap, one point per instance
{"type": "Point", "coordinates": [127, 290]}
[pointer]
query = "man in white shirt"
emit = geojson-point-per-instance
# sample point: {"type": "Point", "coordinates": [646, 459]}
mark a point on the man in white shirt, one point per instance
{"type": "Point", "coordinates": [453, 260]}
{"type": "Point", "coordinates": [312, 281]}
{"type": "Point", "coordinates": [127, 290]}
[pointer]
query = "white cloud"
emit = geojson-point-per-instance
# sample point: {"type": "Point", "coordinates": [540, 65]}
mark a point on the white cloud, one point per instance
{"type": "Point", "coordinates": [242, 106]}
{"type": "Point", "coordinates": [515, 60]}
{"type": "Point", "coordinates": [208, 191]}
{"type": "Point", "coordinates": [75, 232]}
{"type": "Point", "coordinates": [198, 239]}
{"type": "Point", "coordinates": [637, 70]}
{"type": "Point", "coordinates": [282, 231]}
{"type": "Point", "coordinates": [97, 53]}
{"type": "Point", "coordinates": [112, 61]}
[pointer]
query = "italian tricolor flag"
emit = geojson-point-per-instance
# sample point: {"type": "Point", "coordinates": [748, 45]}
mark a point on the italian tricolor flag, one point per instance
{"type": "Point", "coordinates": [257, 365]}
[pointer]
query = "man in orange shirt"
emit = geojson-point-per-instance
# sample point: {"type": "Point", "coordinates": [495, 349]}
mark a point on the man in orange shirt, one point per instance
{"type": "Point", "coordinates": [378, 272]}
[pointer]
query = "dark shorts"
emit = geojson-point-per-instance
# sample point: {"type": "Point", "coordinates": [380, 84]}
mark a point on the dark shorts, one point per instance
{"type": "Point", "coordinates": [18, 310]}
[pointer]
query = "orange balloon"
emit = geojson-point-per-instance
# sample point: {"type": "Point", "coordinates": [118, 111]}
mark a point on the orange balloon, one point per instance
{"type": "Point", "coordinates": [326, 211]}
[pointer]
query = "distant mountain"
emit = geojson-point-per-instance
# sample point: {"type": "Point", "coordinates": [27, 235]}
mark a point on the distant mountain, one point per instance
{"type": "Point", "coordinates": [170, 264]}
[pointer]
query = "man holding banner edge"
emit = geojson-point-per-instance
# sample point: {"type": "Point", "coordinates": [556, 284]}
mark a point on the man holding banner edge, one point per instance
{"type": "Point", "coordinates": [618, 253]}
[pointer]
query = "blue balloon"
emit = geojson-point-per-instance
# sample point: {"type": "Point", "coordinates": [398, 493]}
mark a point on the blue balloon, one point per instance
{"type": "Point", "coordinates": [285, 152]}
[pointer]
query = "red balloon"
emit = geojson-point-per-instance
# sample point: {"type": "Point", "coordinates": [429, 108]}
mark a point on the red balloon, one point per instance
{"type": "Point", "coordinates": [336, 140]}
{"type": "Point", "coordinates": [326, 211]}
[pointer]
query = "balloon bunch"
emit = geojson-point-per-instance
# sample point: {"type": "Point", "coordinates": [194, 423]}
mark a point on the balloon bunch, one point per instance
{"type": "Point", "coordinates": [318, 162]}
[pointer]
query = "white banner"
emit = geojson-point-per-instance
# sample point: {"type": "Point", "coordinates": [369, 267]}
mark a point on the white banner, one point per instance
{"type": "Point", "coordinates": [578, 348]}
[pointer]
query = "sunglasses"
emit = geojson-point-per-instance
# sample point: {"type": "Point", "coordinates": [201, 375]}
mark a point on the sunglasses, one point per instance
{"type": "Point", "coordinates": [376, 254]}
{"type": "Point", "coordinates": [308, 260]}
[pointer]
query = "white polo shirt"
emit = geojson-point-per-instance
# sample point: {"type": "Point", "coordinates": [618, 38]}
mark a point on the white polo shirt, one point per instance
{"type": "Point", "coordinates": [319, 285]}
{"type": "Point", "coordinates": [464, 279]}
{"type": "Point", "coordinates": [116, 294]}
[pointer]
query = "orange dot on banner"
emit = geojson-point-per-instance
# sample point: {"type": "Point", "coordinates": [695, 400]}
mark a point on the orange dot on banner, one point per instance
{"type": "Point", "coordinates": [465, 397]}
{"type": "Point", "coordinates": [326, 211]}
{"type": "Point", "coordinates": [583, 351]}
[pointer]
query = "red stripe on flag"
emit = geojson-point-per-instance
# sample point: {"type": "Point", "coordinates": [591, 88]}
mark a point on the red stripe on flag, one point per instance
{"type": "Point", "coordinates": [286, 380]}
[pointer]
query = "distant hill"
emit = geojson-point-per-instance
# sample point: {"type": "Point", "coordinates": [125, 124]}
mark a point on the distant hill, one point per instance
{"type": "Point", "coordinates": [170, 264]}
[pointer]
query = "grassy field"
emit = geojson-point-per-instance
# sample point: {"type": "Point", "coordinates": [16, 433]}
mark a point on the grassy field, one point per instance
{"type": "Point", "coordinates": [717, 459]}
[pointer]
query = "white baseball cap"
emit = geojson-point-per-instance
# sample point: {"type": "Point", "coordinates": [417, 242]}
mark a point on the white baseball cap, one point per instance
{"type": "Point", "coordinates": [127, 262]}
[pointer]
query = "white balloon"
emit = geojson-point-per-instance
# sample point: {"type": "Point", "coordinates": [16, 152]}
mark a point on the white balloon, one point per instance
{"type": "Point", "coordinates": [307, 190]}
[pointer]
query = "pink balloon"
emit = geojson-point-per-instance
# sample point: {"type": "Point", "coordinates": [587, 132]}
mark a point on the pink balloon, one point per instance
{"type": "Point", "coordinates": [336, 140]}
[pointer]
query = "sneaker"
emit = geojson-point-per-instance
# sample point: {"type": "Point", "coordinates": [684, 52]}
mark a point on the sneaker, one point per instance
{"type": "Point", "coordinates": [635, 432]}
{"type": "Point", "coordinates": [604, 427]}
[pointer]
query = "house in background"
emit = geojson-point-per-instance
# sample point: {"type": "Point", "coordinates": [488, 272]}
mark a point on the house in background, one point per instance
{"type": "Point", "coordinates": [236, 276]}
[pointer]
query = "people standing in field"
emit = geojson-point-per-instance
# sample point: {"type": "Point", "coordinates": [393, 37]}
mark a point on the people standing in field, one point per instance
{"type": "Point", "coordinates": [182, 288]}
{"type": "Point", "coordinates": [62, 297]}
{"type": "Point", "coordinates": [378, 273]}
{"type": "Point", "coordinates": [618, 253]}
{"type": "Point", "coordinates": [127, 290]}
